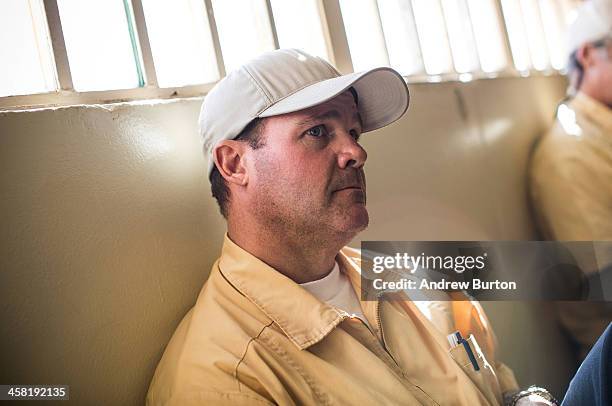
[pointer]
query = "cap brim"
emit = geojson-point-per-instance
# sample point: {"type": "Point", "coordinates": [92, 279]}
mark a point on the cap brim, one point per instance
{"type": "Point", "coordinates": [383, 96]}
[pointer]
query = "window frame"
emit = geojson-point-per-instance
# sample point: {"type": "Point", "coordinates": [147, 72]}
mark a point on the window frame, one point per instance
{"type": "Point", "coordinates": [334, 34]}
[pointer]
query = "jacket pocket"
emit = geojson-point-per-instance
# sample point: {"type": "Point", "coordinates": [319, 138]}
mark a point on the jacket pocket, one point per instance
{"type": "Point", "coordinates": [485, 379]}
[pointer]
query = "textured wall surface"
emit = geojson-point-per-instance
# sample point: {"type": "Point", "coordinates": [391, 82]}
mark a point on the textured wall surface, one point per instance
{"type": "Point", "coordinates": [108, 230]}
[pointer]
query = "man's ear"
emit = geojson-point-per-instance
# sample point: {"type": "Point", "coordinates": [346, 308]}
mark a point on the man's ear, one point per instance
{"type": "Point", "coordinates": [229, 158]}
{"type": "Point", "coordinates": [585, 55]}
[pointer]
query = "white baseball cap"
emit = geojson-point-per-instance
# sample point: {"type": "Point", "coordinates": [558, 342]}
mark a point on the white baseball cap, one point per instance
{"type": "Point", "coordinates": [593, 22]}
{"type": "Point", "coordinates": [288, 80]}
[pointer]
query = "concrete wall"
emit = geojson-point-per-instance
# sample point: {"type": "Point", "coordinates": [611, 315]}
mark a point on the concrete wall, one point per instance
{"type": "Point", "coordinates": [108, 230]}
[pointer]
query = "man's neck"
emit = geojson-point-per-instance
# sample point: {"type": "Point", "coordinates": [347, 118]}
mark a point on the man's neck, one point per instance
{"type": "Point", "coordinates": [300, 258]}
{"type": "Point", "coordinates": [593, 92]}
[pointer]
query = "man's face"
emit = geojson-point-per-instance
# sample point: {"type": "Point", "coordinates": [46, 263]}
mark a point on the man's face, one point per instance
{"type": "Point", "coordinates": [600, 72]}
{"type": "Point", "coordinates": [308, 178]}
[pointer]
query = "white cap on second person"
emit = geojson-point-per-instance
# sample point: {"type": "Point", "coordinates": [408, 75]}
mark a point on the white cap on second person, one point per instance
{"type": "Point", "coordinates": [593, 22]}
{"type": "Point", "coordinates": [288, 80]}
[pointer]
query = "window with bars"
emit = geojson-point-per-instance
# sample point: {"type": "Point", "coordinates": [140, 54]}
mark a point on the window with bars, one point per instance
{"type": "Point", "coordinates": [90, 51]}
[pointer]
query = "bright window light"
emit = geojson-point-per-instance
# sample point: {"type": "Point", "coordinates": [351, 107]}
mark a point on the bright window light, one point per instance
{"type": "Point", "coordinates": [364, 34]}
{"type": "Point", "coordinates": [25, 51]}
{"type": "Point", "coordinates": [535, 34]}
{"type": "Point", "coordinates": [461, 36]}
{"type": "Point", "coordinates": [554, 29]}
{"type": "Point", "coordinates": [488, 34]}
{"type": "Point", "coordinates": [569, 11]}
{"type": "Point", "coordinates": [298, 25]}
{"type": "Point", "coordinates": [244, 30]}
{"type": "Point", "coordinates": [433, 37]}
{"type": "Point", "coordinates": [401, 36]}
{"type": "Point", "coordinates": [517, 35]}
{"type": "Point", "coordinates": [181, 42]}
{"type": "Point", "coordinates": [98, 44]}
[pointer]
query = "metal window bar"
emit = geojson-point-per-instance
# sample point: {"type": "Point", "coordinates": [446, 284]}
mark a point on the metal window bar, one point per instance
{"type": "Point", "coordinates": [524, 25]}
{"type": "Point", "coordinates": [473, 35]}
{"type": "Point", "coordinates": [335, 34]}
{"type": "Point", "coordinates": [506, 38]}
{"type": "Point", "coordinates": [70, 98]}
{"type": "Point", "coordinates": [382, 31]}
{"type": "Point", "coordinates": [418, 38]}
{"type": "Point", "coordinates": [142, 50]}
{"type": "Point", "coordinates": [424, 76]}
{"type": "Point", "coordinates": [134, 43]}
{"type": "Point", "coordinates": [560, 20]}
{"type": "Point", "coordinates": [538, 10]}
{"type": "Point", "coordinates": [507, 35]}
{"type": "Point", "coordinates": [62, 66]}
{"type": "Point", "coordinates": [212, 25]}
{"type": "Point", "coordinates": [270, 14]}
{"type": "Point", "coordinates": [448, 40]}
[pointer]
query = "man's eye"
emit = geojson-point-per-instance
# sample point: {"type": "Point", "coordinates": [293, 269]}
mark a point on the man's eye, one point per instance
{"type": "Point", "coordinates": [355, 135]}
{"type": "Point", "coordinates": [318, 131]}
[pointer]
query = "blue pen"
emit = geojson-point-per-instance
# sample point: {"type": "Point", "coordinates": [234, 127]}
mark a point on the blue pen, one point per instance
{"type": "Point", "coordinates": [468, 350]}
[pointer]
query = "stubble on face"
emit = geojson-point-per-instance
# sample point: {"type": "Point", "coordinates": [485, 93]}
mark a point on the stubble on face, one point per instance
{"type": "Point", "coordinates": [300, 189]}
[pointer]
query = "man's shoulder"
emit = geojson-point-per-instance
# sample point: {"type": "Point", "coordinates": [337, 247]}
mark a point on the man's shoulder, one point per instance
{"type": "Point", "coordinates": [560, 135]}
{"type": "Point", "coordinates": [206, 348]}
{"type": "Point", "coordinates": [222, 314]}
{"type": "Point", "coordinates": [562, 154]}
{"type": "Point", "coordinates": [558, 148]}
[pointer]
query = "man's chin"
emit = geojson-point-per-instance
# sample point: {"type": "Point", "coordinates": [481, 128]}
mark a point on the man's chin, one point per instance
{"type": "Point", "coordinates": [355, 219]}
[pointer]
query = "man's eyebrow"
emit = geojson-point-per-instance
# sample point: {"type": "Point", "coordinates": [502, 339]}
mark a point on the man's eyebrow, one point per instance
{"type": "Point", "coordinates": [327, 115]}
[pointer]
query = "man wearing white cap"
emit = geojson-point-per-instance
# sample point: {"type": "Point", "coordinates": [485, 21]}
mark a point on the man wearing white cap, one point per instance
{"type": "Point", "coordinates": [571, 174]}
{"type": "Point", "coordinates": [280, 320]}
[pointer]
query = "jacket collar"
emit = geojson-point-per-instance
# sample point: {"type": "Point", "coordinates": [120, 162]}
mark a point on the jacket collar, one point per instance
{"type": "Point", "coordinates": [596, 111]}
{"type": "Point", "coordinates": [303, 318]}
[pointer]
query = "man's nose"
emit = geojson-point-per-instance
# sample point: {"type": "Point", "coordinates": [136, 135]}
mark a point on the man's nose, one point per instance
{"type": "Point", "coordinates": [350, 152]}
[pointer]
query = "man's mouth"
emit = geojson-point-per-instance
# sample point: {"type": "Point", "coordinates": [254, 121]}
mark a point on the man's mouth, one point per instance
{"type": "Point", "coordinates": [354, 187]}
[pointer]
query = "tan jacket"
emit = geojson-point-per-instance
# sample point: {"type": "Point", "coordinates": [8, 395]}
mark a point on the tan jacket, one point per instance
{"type": "Point", "coordinates": [256, 337]}
{"type": "Point", "coordinates": [571, 173]}
{"type": "Point", "coordinates": [571, 191]}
